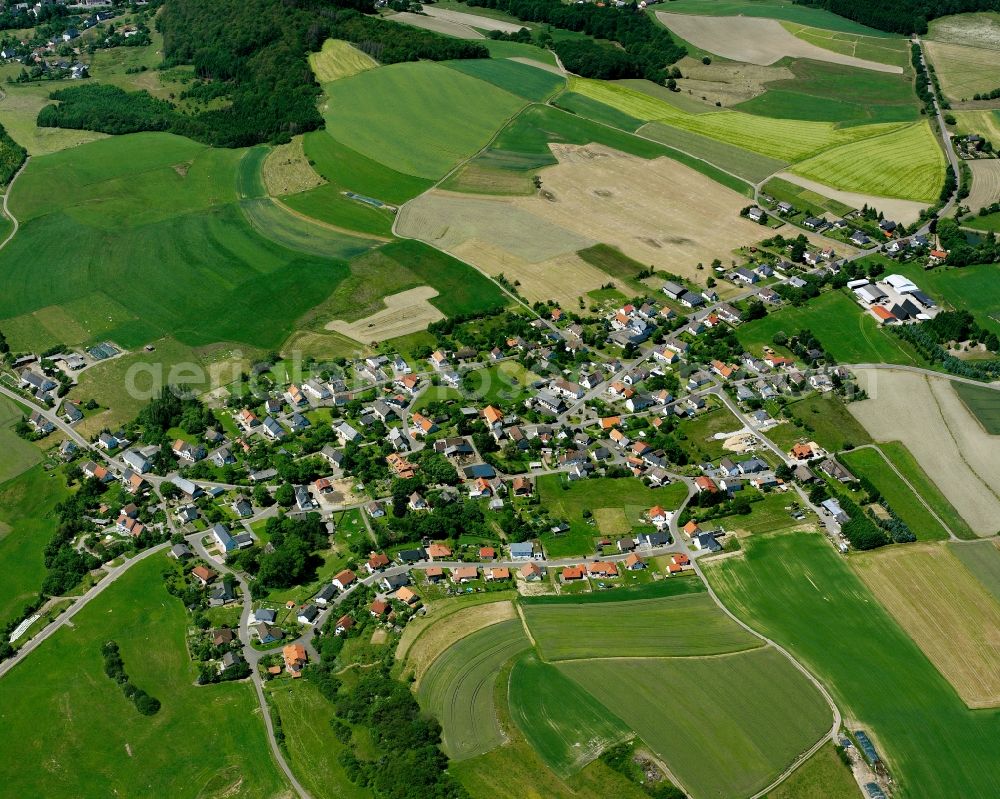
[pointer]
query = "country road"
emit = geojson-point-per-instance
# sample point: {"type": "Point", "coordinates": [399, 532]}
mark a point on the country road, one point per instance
{"type": "Point", "coordinates": [76, 607]}
{"type": "Point", "coordinates": [6, 210]}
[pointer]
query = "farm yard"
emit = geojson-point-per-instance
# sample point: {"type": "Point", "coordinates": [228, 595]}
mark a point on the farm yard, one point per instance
{"type": "Point", "coordinates": [739, 704]}
{"type": "Point", "coordinates": [80, 716]}
{"type": "Point", "coordinates": [929, 418]}
{"type": "Point", "coordinates": [756, 41]}
{"type": "Point", "coordinates": [869, 463]}
{"type": "Point", "coordinates": [795, 589]}
{"type": "Point", "coordinates": [676, 626]}
{"type": "Point", "coordinates": [945, 610]}
{"type": "Point", "coordinates": [458, 688]}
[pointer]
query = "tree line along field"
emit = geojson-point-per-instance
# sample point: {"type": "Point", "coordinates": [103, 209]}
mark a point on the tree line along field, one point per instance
{"type": "Point", "coordinates": [797, 590]}
{"type": "Point", "coordinates": [945, 610]}
{"type": "Point", "coordinates": [869, 463]}
{"type": "Point", "coordinates": [70, 725]}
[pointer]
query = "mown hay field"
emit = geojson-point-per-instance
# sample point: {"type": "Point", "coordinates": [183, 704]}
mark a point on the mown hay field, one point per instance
{"type": "Point", "coordinates": [458, 688]}
{"type": "Point", "coordinates": [963, 71]}
{"type": "Point", "coordinates": [560, 720]}
{"type": "Point", "coordinates": [753, 706]}
{"type": "Point", "coordinates": [745, 163]}
{"type": "Point", "coordinates": [520, 79]}
{"type": "Point", "coordinates": [869, 463]}
{"type": "Point", "coordinates": [286, 170]}
{"type": "Point", "coordinates": [60, 707]}
{"type": "Point", "coordinates": [783, 139]}
{"type": "Point", "coordinates": [946, 610]}
{"type": "Point", "coordinates": [927, 416]}
{"type": "Point", "coordinates": [907, 163]}
{"type": "Point", "coordinates": [982, 558]}
{"type": "Point", "coordinates": [985, 183]}
{"type": "Point", "coordinates": [796, 589]}
{"type": "Point", "coordinates": [404, 116]}
{"type": "Point", "coordinates": [986, 123]}
{"type": "Point", "coordinates": [678, 626]}
{"type": "Point", "coordinates": [757, 41]}
{"type": "Point", "coordinates": [339, 59]}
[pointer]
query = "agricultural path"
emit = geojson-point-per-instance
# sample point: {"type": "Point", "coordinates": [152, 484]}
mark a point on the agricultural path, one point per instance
{"type": "Point", "coordinates": [76, 607]}
{"type": "Point", "coordinates": [6, 210]}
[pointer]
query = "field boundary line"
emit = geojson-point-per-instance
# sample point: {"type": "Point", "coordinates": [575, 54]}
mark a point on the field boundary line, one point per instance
{"type": "Point", "coordinates": [6, 210]}
{"type": "Point", "coordinates": [713, 655]}
{"type": "Point", "coordinates": [830, 735]}
{"type": "Point", "coordinates": [527, 630]}
{"type": "Point", "coordinates": [354, 234]}
{"type": "Point", "coordinates": [906, 482]}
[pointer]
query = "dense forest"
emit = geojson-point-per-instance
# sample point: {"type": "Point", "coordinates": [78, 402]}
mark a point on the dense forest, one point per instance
{"type": "Point", "coordinates": [648, 48]}
{"type": "Point", "coordinates": [258, 49]}
{"type": "Point", "coordinates": [899, 16]}
{"type": "Point", "coordinates": [12, 156]}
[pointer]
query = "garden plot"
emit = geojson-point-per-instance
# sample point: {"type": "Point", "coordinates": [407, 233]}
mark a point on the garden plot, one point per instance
{"type": "Point", "coordinates": [755, 40]}
{"type": "Point", "coordinates": [928, 416]}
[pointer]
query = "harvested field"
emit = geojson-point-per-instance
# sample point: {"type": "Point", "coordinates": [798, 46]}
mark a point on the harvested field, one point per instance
{"type": "Point", "coordinates": [447, 630]}
{"type": "Point", "coordinates": [962, 70]}
{"type": "Point", "coordinates": [727, 83]}
{"type": "Point", "coordinates": [287, 170]}
{"type": "Point", "coordinates": [928, 416]}
{"type": "Point", "coordinates": [756, 41]}
{"type": "Point", "coordinates": [472, 20]}
{"type": "Point", "coordinates": [445, 26]}
{"type": "Point", "coordinates": [339, 59]}
{"type": "Point", "coordinates": [884, 50]}
{"type": "Point", "coordinates": [903, 211]}
{"type": "Point", "coordinates": [945, 610]}
{"type": "Point", "coordinates": [974, 30]}
{"type": "Point", "coordinates": [985, 183]}
{"type": "Point", "coordinates": [531, 62]}
{"type": "Point", "coordinates": [406, 312]}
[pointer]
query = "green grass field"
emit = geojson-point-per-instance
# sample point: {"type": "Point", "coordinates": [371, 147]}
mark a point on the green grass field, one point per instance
{"type": "Point", "coordinates": [797, 590]}
{"type": "Point", "coordinates": [826, 420]}
{"type": "Point", "coordinates": [313, 750]}
{"type": "Point", "coordinates": [775, 9]}
{"type": "Point", "coordinates": [754, 708]}
{"type": "Point", "coordinates": [898, 453]}
{"type": "Point", "coordinates": [616, 264]}
{"type": "Point", "coordinates": [27, 524]}
{"type": "Point", "coordinates": [558, 718]}
{"type": "Point", "coordinates": [781, 139]}
{"type": "Point", "coordinates": [984, 403]}
{"type": "Point", "coordinates": [159, 242]}
{"type": "Point", "coordinates": [822, 776]}
{"type": "Point", "coordinates": [825, 92]}
{"type": "Point", "coordinates": [404, 116]}
{"type": "Point", "coordinates": [458, 688]}
{"type": "Point", "coordinates": [628, 494]}
{"type": "Point", "coordinates": [893, 51]}
{"type": "Point", "coordinates": [65, 719]}
{"type": "Point", "coordinates": [519, 79]}
{"type": "Point", "coordinates": [678, 626]}
{"type": "Point", "coordinates": [500, 49]}
{"type": "Point", "coordinates": [838, 323]}
{"type": "Point", "coordinates": [598, 112]}
{"type": "Point", "coordinates": [907, 163]}
{"type": "Point", "coordinates": [982, 558]}
{"type": "Point", "coordinates": [870, 463]}
{"type": "Point", "coordinates": [990, 222]}
{"type": "Point", "coordinates": [697, 435]}
{"type": "Point", "coordinates": [18, 455]}
{"type": "Point", "coordinates": [277, 224]}
{"type": "Point", "coordinates": [749, 165]}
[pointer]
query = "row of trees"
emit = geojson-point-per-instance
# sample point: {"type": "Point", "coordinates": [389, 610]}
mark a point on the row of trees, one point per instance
{"type": "Point", "coordinates": [899, 16]}
{"type": "Point", "coordinates": [647, 51]}
{"type": "Point", "coordinates": [114, 667]}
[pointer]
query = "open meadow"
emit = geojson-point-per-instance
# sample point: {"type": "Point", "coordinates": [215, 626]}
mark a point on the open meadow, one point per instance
{"type": "Point", "coordinates": [27, 524]}
{"type": "Point", "coordinates": [965, 62]}
{"type": "Point", "coordinates": [676, 626]}
{"type": "Point", "coordinates": [945, 610]}
{"type": "Point", "coordinates": [756, 40]}
{"type": "Point", "coordinates": [339, 59]}
{"type": "Point", "coordinates": [849, 335]}
{"type": "Point", "coordinates": [18, 455]}
{"type": "Point", "coordinates": [753, 706]}
{"type": "Point", "coordinates": [558, 718]}
{"type": "Point", "coordinates": [65, 719]}
{"type": "Point", "coordinates": [797, 590]}
{"type": "Point", "coordinates": [869, 463]}
{"type": "Point", "coordinates": [458, 688]}
{"type": "Point", "coordinates": [823, 776]}
{"type": "Point", "coordinates": [929, 418]}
